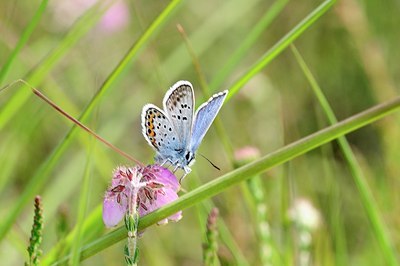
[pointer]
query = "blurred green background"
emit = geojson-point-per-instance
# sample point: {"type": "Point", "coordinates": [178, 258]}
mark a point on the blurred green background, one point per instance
{"type": "Point", "coordinates": [352, 50]}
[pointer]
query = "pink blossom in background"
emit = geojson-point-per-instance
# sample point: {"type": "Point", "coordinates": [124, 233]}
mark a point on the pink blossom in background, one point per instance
{"type": "Point", "coordinates": [154, 186]}
{"type": "Point", "coordinates": [247, 153]}
{"type": "Point", "coordinates": [116, 17]}
{"type": "Point", "coordinates": [65, 13]}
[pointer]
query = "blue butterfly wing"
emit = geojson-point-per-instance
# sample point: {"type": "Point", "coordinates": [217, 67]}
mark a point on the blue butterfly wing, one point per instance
{"type": "Point", "coordinates": [159, 132]}
{"type": "Point", "coordinates": [179, 105]}
{"type": "Point", "coordinates": [205, 115]}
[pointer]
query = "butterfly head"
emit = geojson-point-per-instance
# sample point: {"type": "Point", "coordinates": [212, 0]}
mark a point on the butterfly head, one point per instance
{"type": "Point", "coordinates": [189, 157]}
{"type": "Point", "coordinates": [185, 158]}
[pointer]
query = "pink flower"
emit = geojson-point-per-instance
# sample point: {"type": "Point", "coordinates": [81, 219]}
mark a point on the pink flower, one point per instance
{"type": "Point", "coordinates": [116, 17]}
{"type": "Point", "coordinates": [145, 188]}
{"type": "Point", "coordinates": [247, 153]}
{"type": "Point", "coordinates": [65, 13]}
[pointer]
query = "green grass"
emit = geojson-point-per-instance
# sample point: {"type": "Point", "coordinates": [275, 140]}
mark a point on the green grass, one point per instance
{"type": "Point", "coordinates": [366, 196]}
{"type": "Point", "coordinates": [104, 78]}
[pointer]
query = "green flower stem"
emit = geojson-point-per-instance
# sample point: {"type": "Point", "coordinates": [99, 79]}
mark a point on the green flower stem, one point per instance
{"type": "Point", "coordinates": [210, 247]}
{"type": "Point", "coordinates": [265, 243]}
{"type": "Point", "coordinates": [234, 177]}
{"type": "Point", "coordinates": [131, 250]}
{"type": "Point", "coordinates": [224, 232]}
{"type": "Point", "coordinates": [255, 198]}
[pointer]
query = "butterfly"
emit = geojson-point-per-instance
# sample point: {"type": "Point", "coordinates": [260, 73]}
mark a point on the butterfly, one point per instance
{"type": "Point", "coordinates": [176, 132]}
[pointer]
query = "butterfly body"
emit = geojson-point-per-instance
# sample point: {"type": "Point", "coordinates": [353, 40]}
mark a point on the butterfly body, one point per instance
{"type": "Point", "coordinates": [177, 131]}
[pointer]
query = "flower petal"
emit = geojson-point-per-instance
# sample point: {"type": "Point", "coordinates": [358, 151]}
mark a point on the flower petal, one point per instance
{"type": "Point", "coordinates": [113, 212]}
{"type": "Point", "coordinates": [166, 177]}
{"type": "Point", "coordinates": [168, 196]}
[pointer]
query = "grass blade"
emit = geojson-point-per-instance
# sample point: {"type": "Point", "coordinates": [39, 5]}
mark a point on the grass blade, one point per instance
{"type": "Point", "coordinates": [280, 46]}
{"type": "Point", "coordinates": [251, 38]}
{"type": "Point", "coordinates": [82, 208]}
{"type": "Point", "coordinates": [40, 177]}
{"type": "Point", "coordinates": [276, 158]}
{"type": "Point", "coordinates": [90, 228]}
{"type": "Point", "coordinates": [23, 40]}
{"type": "Point", "coordinates": [360, 180]}
{"type": "Point", "coordinates": [206, 94]}
{"type": "Point", "coordinates": [36, 76]}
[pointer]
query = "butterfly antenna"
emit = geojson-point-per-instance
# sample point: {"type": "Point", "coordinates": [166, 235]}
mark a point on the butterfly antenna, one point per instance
{"type": "Point", "coordinates": [216, 167]}
{"type": "Point", "coordinates": [76, 121]}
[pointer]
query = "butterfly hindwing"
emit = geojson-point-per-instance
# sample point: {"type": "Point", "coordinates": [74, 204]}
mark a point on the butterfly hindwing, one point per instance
{"type": "Point", "coordinates": [179, 105]}
{"type": "Point", "coordinates": [159, 132]}
{"type": "Point", "coordinates": [205, 115]}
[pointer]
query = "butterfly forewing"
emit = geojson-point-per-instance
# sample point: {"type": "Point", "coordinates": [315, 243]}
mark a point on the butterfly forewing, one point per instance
{"type": "Point", "coordinates": [205, 115]}
{"type": "Point", "coordinates": [179, 104]}
{"type": "Point", "coordinates": [159, 131]}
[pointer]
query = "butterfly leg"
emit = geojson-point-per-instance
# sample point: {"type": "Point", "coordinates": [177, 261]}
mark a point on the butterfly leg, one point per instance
{"type": "Point", "coordinates": [187, 170]}
{"type": "Point", "coordinates": [181, 179]}
{"type": "Point", "coordinates": [163, 163]}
